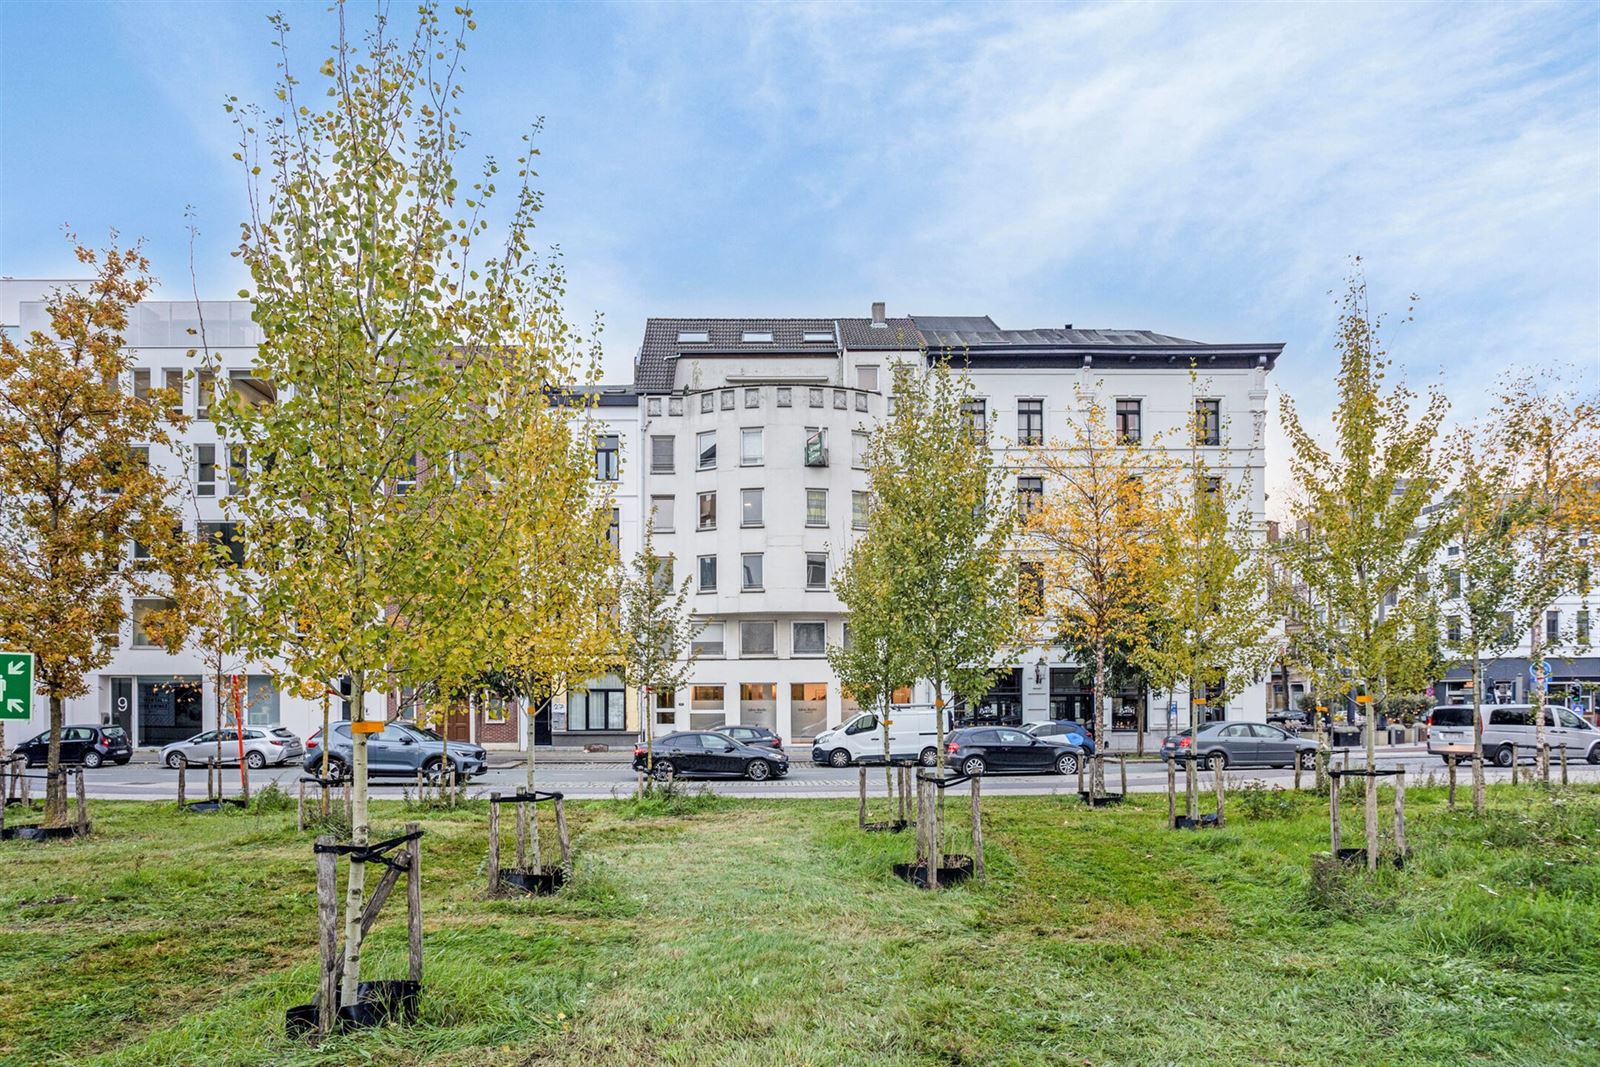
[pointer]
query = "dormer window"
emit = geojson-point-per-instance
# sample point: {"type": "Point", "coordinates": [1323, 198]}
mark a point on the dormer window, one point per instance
{"type": "Point", "coordinates": [757, 337]}
{"type": "Point", "coordinates": [816, 337]}
{"type": "Point", "coordinates": [693, 337]}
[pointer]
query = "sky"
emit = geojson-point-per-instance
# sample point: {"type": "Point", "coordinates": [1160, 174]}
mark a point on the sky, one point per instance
{"type": "Point", "coordinates": [1203, 171]}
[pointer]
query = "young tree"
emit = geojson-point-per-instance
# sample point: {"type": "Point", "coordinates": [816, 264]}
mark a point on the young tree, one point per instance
{"type": "Point", "coordinates": [943, 525]}
{"type": "Point", "coordinates": [656, 632]}
{"type": "Point", "coordinates": [78, 490]}
{"type": "Point", "coordinates": [1367, 534]}
{"type": "Point", "coordinates": [1096, 537]}
{"type": "Point", "coordinates": [385, 335]}
{"type": "Point", "coordinates": [1551, 435]}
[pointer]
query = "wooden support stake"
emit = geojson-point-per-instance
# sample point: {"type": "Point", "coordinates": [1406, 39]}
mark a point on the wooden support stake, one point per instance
{"type": "Point", "coordinates": [326, 804]}
{"type": "Point", "coordinates": [935, 842]}
{"type": "Point", "coordinates": [1563, 764]}
{"type": "Point", "coordinates": [327, 935]}
{"type": "Point", "coordinates": [562, 839]}
{"type": "Point", "coordinates": [27, 790]}
{"type": "Point", "coordinates": [1400, 814]}
{"type": "Point", "coordinates": [861, 805]}
{"type": "Point", "coordinates": [244, 780]}
{"type": "Point", "coordinates": [977, 830]}
{"type": "Point", "coordinates": [494, 843]}
{"type": "Point", "coordinates": [535, 854]}
{"type": "Point", "coordinates": [1450, 772]}
{"type": "Point", "coordinates": [183, 790]}
{"type": "Point", "coordinates": [522, 830]}
{"type": "Point", "coordinates": [1333, 812]}
{"type": "Point", "coordinates": [1297, 772]}
{"type": "Point", "coordinates": [83, 807]}
{"type": "Point", "coordinates": [300, 807]}
{"type": "Point", "coordinates": [1172, 794]}
{"type": "Point", "coordinates": [422, 790]}
{"type": "Point", "coordinates": [414, 901]}
{"type": "Point", "coordinates": [1122, 770]}
{"type": "Point", "coordinates": [1516, 758]}
{"type": "Point", "coordinates": [1222, 794]}
{"type": "Point", "coordinates": [1081, 762]}
{"type": "Point", "coordinates": [1371, 814]}
{"type": "Point", "coordinates": [211, 775]}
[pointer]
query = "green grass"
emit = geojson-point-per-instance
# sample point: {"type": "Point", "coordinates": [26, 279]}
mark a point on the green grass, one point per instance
{"type": "Point", "coordinates": [709, 930]}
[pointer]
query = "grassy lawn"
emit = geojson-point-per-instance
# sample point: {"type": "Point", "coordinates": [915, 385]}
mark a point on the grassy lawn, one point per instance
{"type": "Point", "coordinates": [771, 932]}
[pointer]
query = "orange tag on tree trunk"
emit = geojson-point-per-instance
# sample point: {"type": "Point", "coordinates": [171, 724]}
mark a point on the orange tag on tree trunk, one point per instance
{"type": "Point", "coordinates": [367, 727]}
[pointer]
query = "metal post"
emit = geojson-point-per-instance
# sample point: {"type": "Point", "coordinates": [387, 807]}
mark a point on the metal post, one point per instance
{"type": "Point", "coordinates": [494, 843]}
{"type": "Point", "coordinates": [327, 935]}
{"type": "Point", "coordinates": [414, 902]}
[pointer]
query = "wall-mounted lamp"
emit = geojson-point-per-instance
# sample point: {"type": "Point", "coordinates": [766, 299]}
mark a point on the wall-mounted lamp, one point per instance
{"type": "Point", "coordinates": [1038, 672]}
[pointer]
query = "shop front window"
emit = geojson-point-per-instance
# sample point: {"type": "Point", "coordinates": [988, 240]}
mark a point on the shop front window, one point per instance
{"type": "Point", "coordinates": [758, 704]}
{"type": "Point", "coordinates": [596, 709]}
{"type": "Point", "coordinates": [706, 709]}
{"type": "Point", "coordinates": [808, 708]}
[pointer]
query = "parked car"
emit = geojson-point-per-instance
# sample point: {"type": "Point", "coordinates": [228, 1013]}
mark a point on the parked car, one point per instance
{"type": "Point", "coordinates": [753, 735]}
{"type": "Point", "coordinates": [1241, 744]}
{"type": "Point", "coordinates": [1291, 720]}
{"type": "Point", "coordinates": [1006, 750]}
{"type": "Point", "coordinates": [913, 734]}
{"type": "Point", "coordinates": [1508, 729]}
{"type": "Point", "coordinates": [1063, 732]}
{"type": "Point", "coordinates": [402, 748]}
{"type": "Point", "coordinates": [87, 745]}
{"type": "Point", "coordinates": [272, 746]}
{"type": "Point", "coordinates": [694, 753]}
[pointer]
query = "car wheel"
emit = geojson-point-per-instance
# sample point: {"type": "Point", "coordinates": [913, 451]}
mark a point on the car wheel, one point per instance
{"type": "Point", "coordinates": [839, 758]}
{"type": "Point", "coordinates": [758, 770]}
{"type": "Point", "coordinates": [336, 770]}
{"type": "Point", "coordinates": [255, 760]}
{"type": "Point", "coordinates": [1503, 757]}
{"type": "Point", "coordinates": [1308, 760]}
{"type": "Point", "coordinates": [928, 757]}
{"type": "Point", "coordinates": [972, 766]}
{"type": "Point", "coordinates": [91, 760]}
{"type": "Point", "coordinates": [662, 770]}
{"type": "Point", "coordinates": [1217, 760]}
{"type": "Point", "coordinates": [176, 760]}
{"type": "Point", "coordinates": [1594, 754]}
{"type": "Point", "coordinates": [1066, 763]}
{"type": "Point", "coordinates": [433, 769]}
{"type": "Point", "coordinates": [31, 763]}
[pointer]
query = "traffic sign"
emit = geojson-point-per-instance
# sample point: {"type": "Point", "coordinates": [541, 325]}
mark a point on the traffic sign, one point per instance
{"type": "Point", "coordinates": [16, 685]}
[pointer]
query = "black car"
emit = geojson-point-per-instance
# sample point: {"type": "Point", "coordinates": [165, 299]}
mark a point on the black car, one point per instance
{"type": "Point", "coordinates": [759, 736]}
{"type": "Point", "coordinates": [1289, 720]}
{"type": "Point", "coordinates": [713, 755]}
{"type": "Point", "coordinates": [1003, 750]}
{"type": "Point", "coordinates": [89, 745]}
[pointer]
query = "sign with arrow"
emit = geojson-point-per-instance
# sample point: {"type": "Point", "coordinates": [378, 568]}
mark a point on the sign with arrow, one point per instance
{"type": "Point", "coordinates": [16, 685]}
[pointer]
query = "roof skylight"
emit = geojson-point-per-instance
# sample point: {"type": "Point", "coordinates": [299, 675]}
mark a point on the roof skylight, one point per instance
{"type": "Point", "coordinates": [755, 336]}
{"type": "Point", "coordinates": [693, 337]}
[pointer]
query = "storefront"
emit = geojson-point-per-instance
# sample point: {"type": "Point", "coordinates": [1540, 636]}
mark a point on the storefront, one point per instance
{"type": "Point", "coordinates": [1071, 698]}
{"type": "Point", "coordinates": [158, 710]}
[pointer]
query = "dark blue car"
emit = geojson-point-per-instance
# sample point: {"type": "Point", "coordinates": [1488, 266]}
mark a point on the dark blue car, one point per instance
{"type": "Point", "coordinates": [1063, 732]}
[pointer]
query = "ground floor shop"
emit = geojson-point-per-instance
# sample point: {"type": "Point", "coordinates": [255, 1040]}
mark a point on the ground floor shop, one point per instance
{"type": "Point", "coordinates": [1570, 680]}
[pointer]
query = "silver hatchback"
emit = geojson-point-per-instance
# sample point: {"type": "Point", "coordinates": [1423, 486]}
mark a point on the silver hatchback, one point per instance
{"type": "Point", "coordinates": [263, 747]}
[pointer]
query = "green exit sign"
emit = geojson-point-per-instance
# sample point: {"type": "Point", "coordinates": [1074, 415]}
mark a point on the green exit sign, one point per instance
{"type": "Point", "coordinates": [16, 685]}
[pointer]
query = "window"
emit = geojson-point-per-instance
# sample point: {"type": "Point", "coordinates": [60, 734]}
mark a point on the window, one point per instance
{"type": "Point", "coordinates": [815, 397]}
{"type": "Point", "coordinates": [757, 337]}
{"type": "Point", "coordinates": [708, 642]}
{"type": "Point", "coordinates": [674, 405]}
{"type": "Point", "coordinates": [1452, 582]}
{"type": "Point", "coordinates": [260, 700]}
{"type": "Point", "coordinates": [817, 337]}
{"type": "Point", "coordinates": [750, 568]}
{"type": "Point", "coordinates": [816, 507]}
{"type": "Point", "coordinates": [1030, 494]}
{"type": "Point", "coordinates": [751, 447]}
{"type": "Point", "coordinates": [663, 454]}
{"type": "Point", "coordinates": [816, 450]}
{"type": "Point", "coordinates": [752, 398]}
{"type": "Point", "coordinates": [757, 639]}
{"type": "Point", "coordinates": [749, 507]}
{"type": "Point", "coordinates": [840, 402]}
{"type": "Point", "coordinates": [758, 704]}
{"type": "Point", "coordinates": [693, 337]}
{"type": "Point", "coordinates": [785, 396]}
{"type": "Point", "coordinates": [705, 704]}
{"type": "Point", "coordinates": [808, 708]}
{"type": "Point", "coordinates": [858, 450]}
{"type": "Point", "coordinates": [1208, 422]}
{"type": "Point", "coordinates": [978, 415]}
{"type": "Point", "coordinates": [407, 480]}
{"type": "Point", "coordinates": [1129, 428]}
{"type": "Point", "coordinates": [706, 445]}
{"type": "Point", "coordinates": [204, 392]}
{"type": "Point", "coordinates": [708, 403]}
{"type": "Point", "coordinates": [1583, 626]}
{"type": "Point", "coordinates": [858, 509]}
{"type": "Point", "coordinates": [172, 383]}
{"type": "Point", "coordinates": [666, 708]}
{"type": "Point", "coordinates": [1030, 422]}
{"type": "Point", "coordinates": [250, 390]}
{"type": "Point", "coordinates": [226, 536]}
{"type": "Point", "coordinates": [141, 384]}
{"type": "Point", "coordinates": [238, 468]}
{"type": "Point", "coordinates": [661, 513]}
{"type": "Point", "coordinates": [816, 570]}
{"type": "Point", "coordinates": [596, 709]}
{"type": "Point", "coordinates": [653, 406]}
{"type": "Point", "coordinates": [1452, 628]}
{"type": "Point", "coordinates": [708, 574]}
{"type": "Point", "coordinates": [1030, 586]}
{"type": "Point", "coordinates": [205, 470]}
{"type": "Point", "coordinates": [1213, 486]}
{"type": "Point", "coordinates": [142, 611]}
{"type": "Point", "coordinates": [607, 466]}
{"type": "Point", "coordinates": [1552, 626]}
{"type": "Point", "coordinates": [727, 400]}
{"type": "Point", "coordinates": [708, 511]}
{"type": "Point", "coordinates": [867, 378]}
{"type": "Point", "coordinates": [810, 638]}
{"type": "Point", "coordinates": [1508, 629]}
{"type": "Point", "coordinates": [1453, 551]}
{"type": "Point", "coordinates": [614, 529]}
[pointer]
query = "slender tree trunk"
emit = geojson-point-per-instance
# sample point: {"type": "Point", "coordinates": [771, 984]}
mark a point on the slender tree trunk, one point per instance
{"type": "Point", "coordinates": [888, 757]}
{"type": "Point", "coordinates": [532, 734]}
{"type": "Point", "coordinates": [327, 726]}
{"type": "Point", "coordinates": [1097, 780]}
{"type": "Point", "coordinates": [360, 833]}
{"type": "Point", "coordinates": [1477, 734]}
{"type": "Point", "coordinates": [1324, 751]}
{"type": "Point", "coordinates": [447, 698]}
{"type": "Point", "coordinates": [55, 791]}
{"type": "Point", "coordinates": [938, 723]}
{"type": "Point", "coordinates": [1191, 783]}
{"type": "Point", "coordinates": [1541, 753]}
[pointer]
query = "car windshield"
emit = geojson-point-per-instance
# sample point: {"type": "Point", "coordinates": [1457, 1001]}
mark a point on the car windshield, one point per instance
{"type": "Point", "coordinates": [421, 731]}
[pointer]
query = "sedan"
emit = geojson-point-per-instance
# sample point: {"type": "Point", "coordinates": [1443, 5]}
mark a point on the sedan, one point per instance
{"type": "Point", "coordinates": [1241, 744]}
{"type": "Point", "coordinates": [87, 745]}
{"type": "Point", "coordinates": [265, 747]}
{"type": "Point", "coordinates": [1063, 732]}
{"type": "Point", "coordinates": [977, 750]}
{"type": "Point", "coordinates": [400, 748]}
{"type": "Point", "coordinates": [759, 736]}
{"type": "Point", "coordinates": [713, 755]}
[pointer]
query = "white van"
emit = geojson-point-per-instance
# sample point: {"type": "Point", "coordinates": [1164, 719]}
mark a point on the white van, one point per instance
{"type": "Point", "coordinates": [1508, 732]}
{"type": "Point", "coordinates": [913, 734]}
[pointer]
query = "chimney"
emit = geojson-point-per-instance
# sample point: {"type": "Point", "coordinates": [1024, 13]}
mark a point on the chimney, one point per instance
{"type": "Point", "coordinates": [878, 317]}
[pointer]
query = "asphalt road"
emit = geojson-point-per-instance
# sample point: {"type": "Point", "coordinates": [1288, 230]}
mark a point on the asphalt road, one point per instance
{"type": "Point", "coordinates": [149, 781]}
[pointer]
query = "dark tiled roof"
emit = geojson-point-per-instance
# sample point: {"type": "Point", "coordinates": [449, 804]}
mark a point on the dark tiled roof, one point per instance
{"type": "Point", "coordinates": [974, 332]}
{"type": "Point", "coordinates": [898, 334]}
{"type": "Point", "coordinates": [655, 368]}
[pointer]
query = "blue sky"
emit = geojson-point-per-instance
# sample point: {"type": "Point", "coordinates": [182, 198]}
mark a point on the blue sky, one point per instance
{"type": "Point", "coordinates": [1204, 171]}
